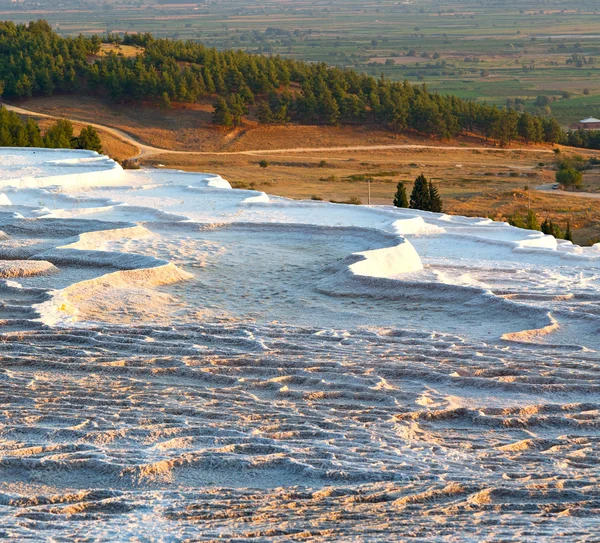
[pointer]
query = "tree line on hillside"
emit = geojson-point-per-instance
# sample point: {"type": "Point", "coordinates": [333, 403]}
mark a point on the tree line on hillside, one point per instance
{"type": "Point", "coordinates": [35, 61]}
{"type": "Point", "coordinates": [586, 139]}
{"type": "Point", "coordinates": [15, 132]}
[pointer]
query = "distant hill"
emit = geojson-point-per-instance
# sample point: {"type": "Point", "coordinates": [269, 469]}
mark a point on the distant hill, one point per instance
{"type": "Point", "coordinates": [35, 61]}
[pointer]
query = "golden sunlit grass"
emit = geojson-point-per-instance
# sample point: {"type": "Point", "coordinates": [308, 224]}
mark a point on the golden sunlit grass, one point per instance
{"type": "Point", "coordinates": [125, 50]}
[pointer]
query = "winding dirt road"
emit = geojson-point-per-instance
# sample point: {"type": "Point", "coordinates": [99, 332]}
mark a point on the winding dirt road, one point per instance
{"type": "Point", "coordinates": [149, 150]}
{"type": "Point", "coordinates": [143, 149]}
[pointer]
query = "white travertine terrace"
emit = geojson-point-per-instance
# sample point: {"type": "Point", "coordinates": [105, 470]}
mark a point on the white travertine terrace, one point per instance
{"type": "Point", "coordinates": [184, 361]}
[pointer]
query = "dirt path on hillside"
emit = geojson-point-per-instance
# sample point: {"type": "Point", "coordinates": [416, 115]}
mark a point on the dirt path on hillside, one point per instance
{"type": "Point", "coordinates": [548, 188]}
{"type": "Point", "coordinates": [149, 150]}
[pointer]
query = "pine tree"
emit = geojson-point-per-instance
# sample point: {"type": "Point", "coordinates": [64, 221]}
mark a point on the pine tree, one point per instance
{"type": "Point", "coordinates": [208, 81]}
{"type": "Point", "coordinates": [165, 101]}
{"type": "Point", "coordinates": [419, 197]}
{"type": "Point", "coordinates": [237, 108]}
{"type": "Point", "coordinates": [221, 114]}
{"type": "Point", "coordinates": [20, 137]}
{"type": "Point", "coordinates": [282, 116]}
{"type": "Point", "coordinates": [531, 221]}
{"type": "Point", "coordinates": [6, 140]}
{"type": "Point", "coordinates": [44, 82]}
{"type": "Point", "coordinates": [33, 134]}
{"type": "Point", "coordinates": [400, 198]}
{"type": "Point", "coordinates": [23, 88]}
{"type": "Point", "coordinates": [517, 220]}
{"type": "Point", "coordinates": [264, 113]}
{"type": "Point", "coordinates": [525, 127]}
{"type": "Point", "coordinates": [435, 201]}
{"type": "Point", "coordinates": [182, 92]}
{"type": "Point", "coordinates": [89, 139]}
{"type": "Point", "coordinates": [331, 110]}
{"type": "Point", "coordinates": [59, 135]}
{"type": "Point", "coordinates": [247, 95]}
{"type": "Point", "coordinates": [557, 231]}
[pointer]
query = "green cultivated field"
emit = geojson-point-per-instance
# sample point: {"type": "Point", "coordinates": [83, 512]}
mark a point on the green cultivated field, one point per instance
{"type": "Point", "coordinates": [487, 50]}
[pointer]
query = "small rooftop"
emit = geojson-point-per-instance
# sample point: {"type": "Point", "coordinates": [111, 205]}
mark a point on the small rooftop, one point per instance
{"type": "Point", "coordinates": [590, 120]}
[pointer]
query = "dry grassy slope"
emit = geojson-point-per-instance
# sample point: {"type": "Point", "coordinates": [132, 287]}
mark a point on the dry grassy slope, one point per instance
{"type": "Point", "coordinates": [189, 128]}
{"type": "Point", "coordinates": [477, 183]}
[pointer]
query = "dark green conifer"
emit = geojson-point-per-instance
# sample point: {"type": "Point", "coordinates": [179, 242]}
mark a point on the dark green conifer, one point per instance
{"type": "Point", "coordinates": [89, 139]}
{"type": "Point", "coordinates": [400, 198]}
{"type": "Point", "coordinates": [60, 135]}
{"type": "Point", "coordinates": [165, 101]}
{"type": "Point", "coordinates": [435, 201]}
{"type": "Point", "coordinates": [264, 113]}
{"type": "Point", "coordinates": [547, 227]}
{"type": "Point", "coordinates": [419, 197]}
{"type": "Point", "coordinates": [531, 222]}
{"type": "Point", "coordinates": [568, 234]}
{"type": "Point", "coordinates": [237, 108]}
{"type": "Point", "coordinates": [6, 139]}
{"type": "Point", "coordinates": [33, 134]}
{"type": "Point", "coordinates": [221, 114]}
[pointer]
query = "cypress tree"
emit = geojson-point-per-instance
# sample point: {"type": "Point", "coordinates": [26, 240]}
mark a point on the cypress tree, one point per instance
{"type": "Point", "coordinates": [568, 235]}
{"type": "Point", "coordinates": [419, 197]}
{"type": "Point", "coordinates": [435, 201]}
{"type": "Point", "coordinates": [551, 229]}
{"type": "Point", "coordinates": [400, 198]}
{"type": "Point", "coordinates": [557, 231]}
{"type": "Point", "coordinates": [547, 227]}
